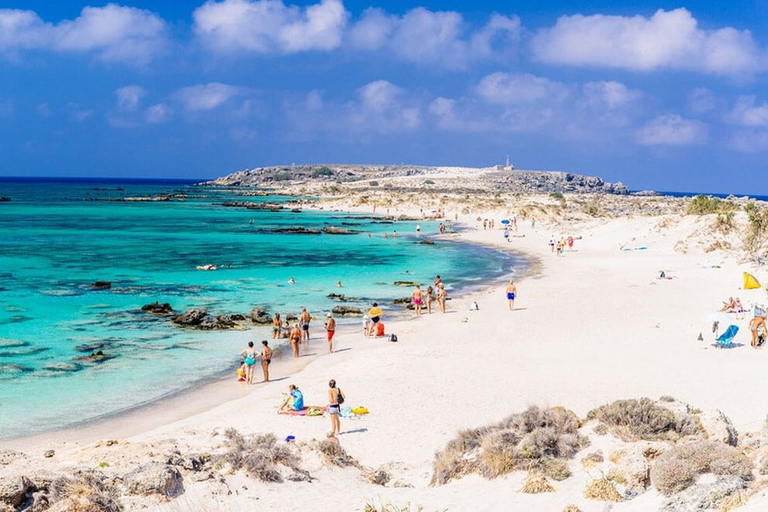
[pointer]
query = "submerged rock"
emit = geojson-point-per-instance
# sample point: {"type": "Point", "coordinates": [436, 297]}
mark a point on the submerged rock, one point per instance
{"type": "Point", "coordinates": [406, 283]}
{"type": "Point", "coordinates": [158, 309]}
{"type": "Point", "coordinates": [101, 285]}
{"type": "Point", "coordinates": [333, 230]}
{"type": "Point", "coordinates": [198, 318]}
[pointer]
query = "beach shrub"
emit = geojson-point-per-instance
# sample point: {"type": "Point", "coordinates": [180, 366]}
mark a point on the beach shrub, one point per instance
{"type": "Point", "coordinates": [705, 205]}
{"type": "Point", "coordinates": [756, 236]}
{"type": "Point", "coordinates": [334, 454]}
{"type": "Point", "coordinates": [556, 195]}
{"type": "Point", "coordinates": [678, 468]}
{"type": "Point", "coordinates": [536, 439]}
{"type": "Point", "coordinates": [536, 483]}
{"type": "Point", "coordinates": [389, 507]}
{"type": "Point", "coordinates": [84, 492]}
{"type": "Point", "coordinates": [260, 455]}
{"type": "Point", "coordinates": [429, 182]}
{"type": "Point", "coordinates": [635, 420]}
{"type": "Point", "coordinates": [322, 172]}
{"type": "Point", "coordinates": [602, 490]}
{"type": "Point", "coordinates": [374, 183]}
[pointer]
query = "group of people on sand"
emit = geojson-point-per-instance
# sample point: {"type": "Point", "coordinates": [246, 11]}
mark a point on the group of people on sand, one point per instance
{"type": "Point", "coordinates": [299, 333]}
{"type": "Point", "coordinates": [757, 324]}
{"type": "Point", "coordinates": [435, 292]}
{"type": "Point", "coordinates": [732, 306]}
{"type": "Point", "coordinates": [294, 401]}
{"type": "Point", "coordinates": [560, 243]}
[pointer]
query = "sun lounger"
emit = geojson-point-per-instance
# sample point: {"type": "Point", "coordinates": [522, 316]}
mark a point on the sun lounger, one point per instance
{"type": "Point", "coordinates": [726, 339]}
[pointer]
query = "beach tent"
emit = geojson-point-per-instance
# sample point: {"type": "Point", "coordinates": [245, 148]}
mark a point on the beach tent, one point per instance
{"type": "Point", "coordinates": [750, 282]}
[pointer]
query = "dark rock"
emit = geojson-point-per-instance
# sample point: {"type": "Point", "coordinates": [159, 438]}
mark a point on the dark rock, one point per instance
{"type": "Point", "coordinates": [4, 199]}
{"type": "Point", "coordinates": [158, 309]}
{"type": "Point", "coordinates": [291, 317]}
{"type": "Point", "coordinates": [295, 231]}
{"type": "Point", "coordinates": [154, 478]}
{"type": "Point", "coordinates": [404, 300]}
{"type": "Point", "coordinates": [333, 230]}
{"type": "Point", "coordinates": [704, 496]}
{"type": "Point", "coordinates": [49, 453]}
{"type": "Point", "coordinates": [405, 283]}
{"type": "Point", "coordinates": [96, 357]}
{"type": "Point", "coordinates": [427, 242]}
{"type": "Point", "coordinates": [259, 316]}
{"type": "Point", "coordinates": [101, 285]}
{"type": "Point", "coordinates": [347, 311]}
{"type": "Point", "coordinates": [191, 317]}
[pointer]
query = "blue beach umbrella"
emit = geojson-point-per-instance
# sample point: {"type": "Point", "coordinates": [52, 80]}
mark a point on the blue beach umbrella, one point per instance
{"type": "Point", "coordinates": [505, 221]}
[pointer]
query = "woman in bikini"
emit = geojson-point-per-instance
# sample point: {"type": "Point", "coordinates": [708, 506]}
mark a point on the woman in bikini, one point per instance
{"type": "Point", "coordinates": [334, 408]}
{"type": "Point", "coordinates": [441, 296]}
{"type": "Point", "coordinates": [429, 298]}
{"type": "Point", "coordinates": [295, 339]}
{"type": "Point", "coordinates": [249, 356]}
{"type": "Point", "coordinates": [266, 358]}
{"type": "Point", "coordinates": [276, 323]}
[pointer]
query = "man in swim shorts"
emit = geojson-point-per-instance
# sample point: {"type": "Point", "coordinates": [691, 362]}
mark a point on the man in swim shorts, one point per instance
{"type": "Point", "coordinates": [418, 297]}
{"type": "Point", "coordinates": [330, 327]}
{"type": "Point", "coordinates": [754, 325]}
{"type": "Point", "coordinates": [304, 319]}
{"type": "Point", "coordinates": [511, 293]}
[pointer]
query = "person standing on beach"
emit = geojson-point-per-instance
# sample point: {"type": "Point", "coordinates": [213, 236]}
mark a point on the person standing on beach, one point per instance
{"type": "Point", "coordinates": [418, 296]}
{"type": "Point", "coordinates": [330, 327]}
{"type": "Point", "coordinates": [365, 325]}
{"type": "Point", "coordinates": [304, 320]}
{"type": "Point", "coordinates": [437, 281]}
{"type": "Point", "coordinates": [429, 298]}
{"type": "Point", "coordinates": [249, 358]}
{"type": "Point", "coordinates": [506, 234]}
{"type": "Point", "coordinates": [295, 339]}
{"type": "Point", "coordinates": [511, 293]}
{"type": "Point", "coordinates": [276, 323]}
{"type": "Point", "coordinates": [375, 313]}
{"type": "Point", "coordinates": [754, 325]}
{"type": "Point", "coordinates": [442, 295]}
{"type": "Point", "coordinates": [334, 407]}
{"type": "Point", "coordinates": [266, 358]}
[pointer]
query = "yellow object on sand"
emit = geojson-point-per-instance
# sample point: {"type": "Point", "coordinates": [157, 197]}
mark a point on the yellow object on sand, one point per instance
{"type": "Point", "coordinates": [750, 281]}
{"type": "Point", "coordinates": [360, 410]}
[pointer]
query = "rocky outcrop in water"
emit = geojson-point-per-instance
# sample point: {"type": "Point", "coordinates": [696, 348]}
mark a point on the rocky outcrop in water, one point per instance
{"type": "Point", "coordinates": [156, 308]}
{"type": "Point", "coordinates": [198, 318]}
{"type": "Point", "coordinates": [259, 316]}
{"type": "Point", "coordinates": [347, 311]}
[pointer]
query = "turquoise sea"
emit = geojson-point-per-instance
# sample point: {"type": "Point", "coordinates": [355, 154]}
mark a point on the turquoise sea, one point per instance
{"type": "Point", "coordinates": [61, 236]}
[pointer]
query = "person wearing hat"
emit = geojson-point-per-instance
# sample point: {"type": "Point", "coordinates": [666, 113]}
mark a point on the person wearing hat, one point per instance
{"type": "Point", "coordinates": [330, 327]}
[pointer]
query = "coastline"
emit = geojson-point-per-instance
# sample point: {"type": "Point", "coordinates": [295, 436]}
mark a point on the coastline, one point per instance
{"type": "Point", "coordinates": [590, 326]}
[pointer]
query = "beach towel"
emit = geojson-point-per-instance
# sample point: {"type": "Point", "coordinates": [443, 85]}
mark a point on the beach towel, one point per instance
{"type": "Point", "coordinates": [312, 410]}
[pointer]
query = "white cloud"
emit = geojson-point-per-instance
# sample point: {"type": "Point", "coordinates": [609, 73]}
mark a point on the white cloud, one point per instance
{"type": "Point", "coordinates": [113, 33]}
{"type": "Point", "coordinates": [158, 113]}
{"type": "Point", "coordinates": [519, 89]}
{"type": "Point", "coordinates": [755, 141]}
{"type": "Point", "coordinates": [383, 103]}
{"type": "Point", "coordinates": [746, 113]}
{"type": "Point", "coordinates": [267, 26]}
{"type": "Point", "coordinates": [611, 95]}
{"type": "Point", "coordinates": [206, 96]}
{"type": "Point", "coordinates": [666, 40]}
{"type": "Point", "coordinates": [434, 37]}
{"type": "Point", "coordinates": [672, 130]}
{"type": "Point", "coordinates": [129, 97]}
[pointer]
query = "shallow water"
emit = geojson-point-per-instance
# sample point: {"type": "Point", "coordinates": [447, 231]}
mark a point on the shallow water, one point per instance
{"type": "Point", "coordinates": [58, 241]}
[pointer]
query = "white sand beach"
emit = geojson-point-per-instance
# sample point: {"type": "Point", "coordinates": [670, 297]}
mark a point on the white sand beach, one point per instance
{"type": "Point", "coordinates": [593, 325]}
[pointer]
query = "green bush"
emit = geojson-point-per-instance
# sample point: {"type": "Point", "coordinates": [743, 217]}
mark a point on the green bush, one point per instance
{"type": "Point", "coordinates": [756, 237]}
{"type": "Point", "coordinates": [556, 195]}
{"type": "Point", "coordinates": [323, 171]}
{"type": "Point", "coordinates": [705, 205]}
{"type": "Point", "coordinates": [429, 182]}
{"type": "Point", "coordinates": [374, 183]}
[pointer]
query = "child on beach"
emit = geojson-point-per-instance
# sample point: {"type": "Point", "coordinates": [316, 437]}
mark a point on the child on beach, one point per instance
{"type": "Point", "coordinates": [365, 325]}
{"type": "Point", "coordinates": [241, 372]}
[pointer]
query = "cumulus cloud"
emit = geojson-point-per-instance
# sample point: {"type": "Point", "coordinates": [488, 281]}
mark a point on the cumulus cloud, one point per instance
{"type": "Point", "coordinates": [701, 100]}
{"type": "Point", "coordinates": [113, 33]}
{"type": "Point", "coordinates": [383, 103]}
{"type": "Point", "coordinates": [434, 37]}
{"type": "Point", "coordinates": [753, 141]}
{"type": "Point", "coordinates": [666, 40]}
{"type": "Point", "coordinates": [672, 130]}
{"type": "Point", "coordinates": [270, 26]}
{"type": "Point", "coordinates": [206, 96]}
{"type": "Point", "coordinates": [747, 113]}
{"type": "Point", "coordinates": [511, 89]}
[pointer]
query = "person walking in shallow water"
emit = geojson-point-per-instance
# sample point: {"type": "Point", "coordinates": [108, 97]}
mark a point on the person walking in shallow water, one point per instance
{"type": "Point", "coordinates": [511, 294]}
{"type": "Point", "coordinates": [418, 297]}
{"type": "Point", "coordinates": [304, 320]}
{"type": "Point", "coordinates": [249, 357]}
{"type": "Point", "coordinates": [334, 407]}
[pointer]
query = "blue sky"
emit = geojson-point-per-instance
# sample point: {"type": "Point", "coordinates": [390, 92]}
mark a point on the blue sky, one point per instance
{"type": "Point", "coordinates": [657, 95]}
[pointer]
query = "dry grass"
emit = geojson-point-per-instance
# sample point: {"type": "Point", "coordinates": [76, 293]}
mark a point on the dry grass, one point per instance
{"type": "Point", "coordinates": [529, 440]}
{"type": "Point", "coordinates": [260, 455]}
{"type": "Point", "coordinates": [571, 508]}
{"type": "Point", "coordinates": [334, 454]}
{"type": "Point", "coordinates": [602, 490]}
{"type": "Point", "coordinates": [536, 483]}
{"type": "Point", "coordinates": [677, 469]}
{"type": "Point", "coordinates": [84, 492]}
{"type": "Point", "coordinates": [635, 420]}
